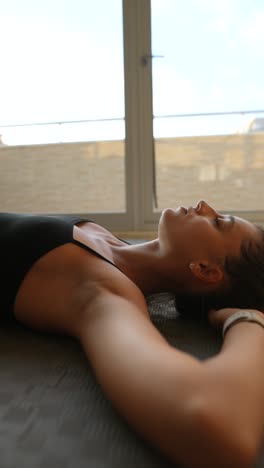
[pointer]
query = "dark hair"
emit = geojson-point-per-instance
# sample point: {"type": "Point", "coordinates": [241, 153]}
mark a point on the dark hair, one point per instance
{"type": "Point", "coordinates": [246, 285]}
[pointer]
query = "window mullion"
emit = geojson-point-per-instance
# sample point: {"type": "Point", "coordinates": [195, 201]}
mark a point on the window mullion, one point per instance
{"type": "Point", "coordinates": [138, 98]}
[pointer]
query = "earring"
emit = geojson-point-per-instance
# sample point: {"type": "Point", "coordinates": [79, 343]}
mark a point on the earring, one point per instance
{"type": "Point", "coordinates": [191, 266]}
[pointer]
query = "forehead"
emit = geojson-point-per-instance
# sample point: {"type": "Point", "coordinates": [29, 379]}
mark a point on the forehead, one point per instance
{"type": "Point", "coordinates": [246, 229]}
{"type": "Point", "coordinates": [241, 232]}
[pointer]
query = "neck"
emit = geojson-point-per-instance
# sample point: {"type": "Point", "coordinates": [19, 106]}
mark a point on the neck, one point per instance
{"type": "Point", "coordinates": [145, 266]}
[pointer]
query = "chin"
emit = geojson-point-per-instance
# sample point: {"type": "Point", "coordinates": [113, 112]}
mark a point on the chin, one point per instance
{"type": "Point", "coordinates": [170, 215]}
{"type": "Point", "coordinates": [165, 215]}
{"type": "Point", "coordinates": [167, 212]}
{"type": "Point", "coordinates": [166, 223]}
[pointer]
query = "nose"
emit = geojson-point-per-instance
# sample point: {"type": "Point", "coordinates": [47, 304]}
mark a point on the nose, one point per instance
{"type": "Point", "coordinates": [204, 209]}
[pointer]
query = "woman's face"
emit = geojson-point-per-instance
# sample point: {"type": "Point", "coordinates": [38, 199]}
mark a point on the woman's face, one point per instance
{"type": "Point", "coordinates": [200, 233]}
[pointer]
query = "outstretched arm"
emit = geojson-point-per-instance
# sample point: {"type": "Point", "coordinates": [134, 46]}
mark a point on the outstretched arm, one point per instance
{"type": "Point", "coordinates": [200, 414]}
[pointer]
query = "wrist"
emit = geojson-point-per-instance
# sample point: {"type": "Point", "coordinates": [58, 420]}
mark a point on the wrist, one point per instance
{"type": "Point", "coordinates": [251, 316]}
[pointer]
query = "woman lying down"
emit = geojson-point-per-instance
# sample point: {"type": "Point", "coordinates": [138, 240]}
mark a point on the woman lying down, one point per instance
{"type": "Point", "coordinates": [69, 275]}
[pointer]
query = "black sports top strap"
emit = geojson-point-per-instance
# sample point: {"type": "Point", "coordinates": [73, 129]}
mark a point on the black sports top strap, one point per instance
{"type": "Point", "coordinates": [75, 220]}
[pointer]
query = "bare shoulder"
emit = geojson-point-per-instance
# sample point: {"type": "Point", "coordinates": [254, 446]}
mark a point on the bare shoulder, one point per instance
{"type": "Point", "coordinates": [66, 281]}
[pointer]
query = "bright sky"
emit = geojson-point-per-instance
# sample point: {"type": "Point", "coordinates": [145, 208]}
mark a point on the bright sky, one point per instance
{"type": "Point", "coordinates": [63, 60]}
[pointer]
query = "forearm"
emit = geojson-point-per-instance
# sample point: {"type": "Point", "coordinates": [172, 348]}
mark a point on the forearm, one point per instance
{"type": "Point", "coordinates": [182, 406]}
{"type": "Point", "coordinates": [237, 380]}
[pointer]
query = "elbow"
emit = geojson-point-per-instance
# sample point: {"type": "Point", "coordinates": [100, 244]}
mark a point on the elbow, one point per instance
{"type": "Point", "coordinates": [219, 441]}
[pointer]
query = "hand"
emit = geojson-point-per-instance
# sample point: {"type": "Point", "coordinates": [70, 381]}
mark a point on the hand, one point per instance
{"type": "Point", "coordinates": [217, 318]}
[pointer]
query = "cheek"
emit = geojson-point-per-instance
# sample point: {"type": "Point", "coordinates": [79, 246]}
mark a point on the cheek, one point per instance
{"type": "Point", "coordinates": [189, 241]}
{"type": "Point", "coordinates": [233, 245]}
{"type": "Point", "coordinates": [191, 237]}
{"type": "Point", "coordinates": [201, 238]}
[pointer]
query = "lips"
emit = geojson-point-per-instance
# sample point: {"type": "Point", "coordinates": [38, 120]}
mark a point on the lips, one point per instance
{"type": "Point", "coordinates": [182, 209]}
{"type": "Point", "coordinates": [194, 210]}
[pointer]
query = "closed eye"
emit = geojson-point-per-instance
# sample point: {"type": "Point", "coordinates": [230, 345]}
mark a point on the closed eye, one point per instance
{"type": "Point", "coordinates": [224, 221]}
{"type": "Point", "coordinates": [217, 222]}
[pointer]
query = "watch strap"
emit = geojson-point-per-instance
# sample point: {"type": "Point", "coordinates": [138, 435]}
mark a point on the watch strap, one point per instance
{"type": "Point", "coordinates": [242, 316]}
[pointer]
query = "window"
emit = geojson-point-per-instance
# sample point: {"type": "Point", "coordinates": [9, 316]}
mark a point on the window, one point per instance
{"type": "Point", "coordinates": [146, 104]}
{"type": "Point", "coordinates": [207, 89]}
{"type": "Point", "coordinates": [62, 89]}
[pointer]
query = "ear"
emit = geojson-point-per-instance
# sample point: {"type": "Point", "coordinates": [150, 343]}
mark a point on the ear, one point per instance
{"type": "Point", "coordinates": [206, 271]}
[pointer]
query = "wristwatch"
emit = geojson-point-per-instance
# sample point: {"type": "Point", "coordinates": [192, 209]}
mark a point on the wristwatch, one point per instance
{"type": "Point", "coordinates": [242, 316]}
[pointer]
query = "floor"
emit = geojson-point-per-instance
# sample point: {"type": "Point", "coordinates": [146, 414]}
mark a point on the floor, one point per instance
{"type": "Point", "coordinates": [52, 411]}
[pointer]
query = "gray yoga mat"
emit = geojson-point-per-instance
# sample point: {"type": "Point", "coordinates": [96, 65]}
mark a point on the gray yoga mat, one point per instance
{"type": "Point", "coordinates": [53, 414]}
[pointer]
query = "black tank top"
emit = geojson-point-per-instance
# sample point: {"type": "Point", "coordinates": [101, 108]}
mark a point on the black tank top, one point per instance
{"type": "Point", "coordinates": [24, 238]}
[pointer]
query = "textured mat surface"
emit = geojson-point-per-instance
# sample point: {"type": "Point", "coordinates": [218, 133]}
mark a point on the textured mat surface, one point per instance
{"type": "Point", "coordinates": [54, 415]}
